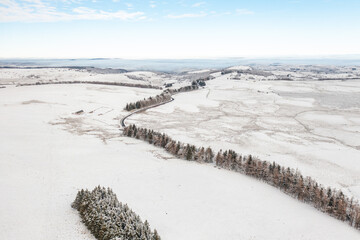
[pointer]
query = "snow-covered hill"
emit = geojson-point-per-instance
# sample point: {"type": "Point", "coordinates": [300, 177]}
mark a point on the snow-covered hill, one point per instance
{"type": "Point", "coordinates": [48, 153]}
{"type": "Point", "coordinates": [312, 126]}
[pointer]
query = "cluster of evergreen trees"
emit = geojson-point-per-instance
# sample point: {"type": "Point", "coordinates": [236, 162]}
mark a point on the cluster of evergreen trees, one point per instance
{"type": "Point", "coordinates": [178, 149]}
{"type": "Point", "coordinates": [165, 96]}
{"type": "Point", "coordinates": [194, 86]}
{"type": "Point", "coordinates": [161, 98]}
{"type": "Point", "coordinates": [109, 219]}
{"type": "Point", "coordinates": [290, 181]}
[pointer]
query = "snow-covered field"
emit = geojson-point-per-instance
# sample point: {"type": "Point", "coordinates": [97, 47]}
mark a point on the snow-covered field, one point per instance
{"type": "Point", "coordinates": [48, 153]}
{"type": "Point", "coordinates": [310, 125]}
{"type": "Point", "coordinates": [33, 75]}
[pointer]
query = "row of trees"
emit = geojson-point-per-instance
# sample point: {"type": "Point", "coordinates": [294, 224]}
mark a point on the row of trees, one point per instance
{"type": "Point", "coordinates": [290, 181]}
{"type": "Point", "coordinates": [92, 82]}
{"type": "Point", "coordinates": [161, 98]}
{"type": "Point", "coordinates": [109, 219]}
{"type": "Point", "coordinates": [165, 96]}
{"type": "Point", "coordinates": [293, 183]}
{"type": "Point", "coordinates": [178, 149]}
{"type": "Point", "coordinates": [194, 86]}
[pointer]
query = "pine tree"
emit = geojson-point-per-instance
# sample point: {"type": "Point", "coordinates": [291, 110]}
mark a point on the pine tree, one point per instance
{"type": "Point", "coordinates": [177, 148]}
{"type": "Point", "coordinates": [155, 236]}
{"type": "Point", "coordinates": [188, 152]}
{"type": "Point", "coordinates": [218, 158]}
{"type": "Point", "coordinates": [209, 155]}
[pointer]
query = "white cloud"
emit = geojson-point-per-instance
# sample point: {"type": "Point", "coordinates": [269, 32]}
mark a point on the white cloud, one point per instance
{"type": "Point", "coordinates": [198, 4]}
{"type": "Point", "coordinates": [84, 10]}
{"type": "Point", "coordinates": [220, 14]}
{"type": "Point", "coordinates": [152, 4]}
{"type": "Point", "coordinates": [244, 12]}
{"type": "Point", "coordinates": [187, 15]}
{"type": "Point", "coordinates": [199, 15]}
{"type": "Point", "coordinates": [39, 11]}
{"type": "Point", "coordinates": [71, 1]}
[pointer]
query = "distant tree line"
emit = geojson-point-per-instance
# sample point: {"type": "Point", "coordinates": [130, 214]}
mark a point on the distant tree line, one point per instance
{"type": "Point", "coordinates": [165, 96]}
{"type": "Point", "coordinates": [248, 71]}
{"type": "Point", "coordinates": [92, 82]}
{"type": "Point", "coordinates": [193, 86]}
{"type": "Point", "coordinates": [290, 181]}
{"type": "Point", "coordinates": [109, 219]}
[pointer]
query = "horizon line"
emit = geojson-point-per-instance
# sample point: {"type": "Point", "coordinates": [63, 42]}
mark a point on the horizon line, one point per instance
{"type": "Point", "coordinates": [331, 56]}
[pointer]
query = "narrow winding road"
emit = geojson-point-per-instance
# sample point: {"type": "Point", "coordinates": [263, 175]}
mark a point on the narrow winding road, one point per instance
{"type": "Point", "coordinates": [122, 121]}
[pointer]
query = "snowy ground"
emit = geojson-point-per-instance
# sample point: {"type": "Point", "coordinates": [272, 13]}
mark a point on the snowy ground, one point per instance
{"type": "Point", "coordinates": [310, 125]}
{"type": "Point", "coordinates": [48, 153]}
{"type": "Point", "coordinates": [24, 75]}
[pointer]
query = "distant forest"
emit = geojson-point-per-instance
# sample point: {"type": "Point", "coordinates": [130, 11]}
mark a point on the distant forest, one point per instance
{"type": "Point", "coordinates": [165, 96]}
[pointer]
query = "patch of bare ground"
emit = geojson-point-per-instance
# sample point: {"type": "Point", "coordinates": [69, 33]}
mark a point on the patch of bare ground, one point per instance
{"type": "Point", "coordinates": [79, 126]}
{"type": "Point", "coordinates": [32, 102]}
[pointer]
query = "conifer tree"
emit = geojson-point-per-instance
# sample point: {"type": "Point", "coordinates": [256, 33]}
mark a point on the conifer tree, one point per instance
{"type": "Point", "coordinates": [109, 219]}
{"type": "Point", "coordinates": [188, 152]}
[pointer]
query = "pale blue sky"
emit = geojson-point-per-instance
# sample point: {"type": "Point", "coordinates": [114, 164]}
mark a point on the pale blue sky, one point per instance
{"type": "Point", "coordinates": [178, 29]}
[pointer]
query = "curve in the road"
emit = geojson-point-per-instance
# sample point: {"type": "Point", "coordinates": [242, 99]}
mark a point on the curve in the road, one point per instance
{"type": "Point", "coordinates": [122, 121]}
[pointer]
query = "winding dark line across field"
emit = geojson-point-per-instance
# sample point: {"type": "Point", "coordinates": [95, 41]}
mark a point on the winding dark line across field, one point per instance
{"type": "Point", "coordinates": [122, 121]}
{"type": "Point", "coordinates": [136, 85]}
